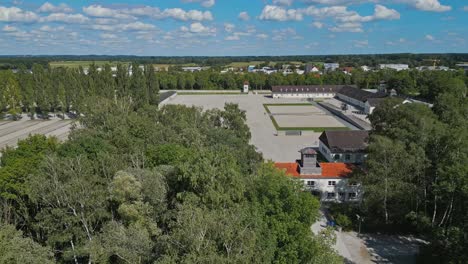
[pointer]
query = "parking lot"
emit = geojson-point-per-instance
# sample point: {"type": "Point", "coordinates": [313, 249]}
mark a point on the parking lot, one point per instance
{"type": "Point", "coordinates": [273, 147]}
{"type": "Point", "coordinates": [12, 131]}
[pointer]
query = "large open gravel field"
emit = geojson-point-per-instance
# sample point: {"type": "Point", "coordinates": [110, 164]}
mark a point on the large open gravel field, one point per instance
{"type": "Point", "coordinates": [276, 148]}
{"type": "Point", "coordinates": [12, 131]}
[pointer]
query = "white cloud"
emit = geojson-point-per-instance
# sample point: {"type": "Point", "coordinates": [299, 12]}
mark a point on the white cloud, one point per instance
{"type": "Point", "coordinates": [262, 36]}
{"type": "Point", "coordinates": [180, 14]}
{"type": "Point", "coordinates": [383, 13]}
{"type": "Point", "coordinates": [65, 18]}
{"type": "Point", "coordinates": [47, 28]}
{"type": "Point", "coordinates": [277, 13]}
{"type": "Point", "coordinates": [244, 16]}
{"type": "Point", "coordinates": [285, 34]}
{"type": "Point", "coordinates": [134, 26]}
{"type": "Point", "coordinates": [340, 2]}
{"type": "Point", "coordinates": [50, 8]}
{"type": "Point", "coordinates": [361, 43]}
{"type": "Point", "coordinates": [430, 5]}
{"type": "Point", "coordinates": [198, 28]}
{"type": "Point", "coordinates": [8, 28]}
{"type": "Point", "coordinates": [347, 27]}
{"type": "Point", "coordinates": [283, 2]}
{"type": "Point", "coordinates": [317, 24]}
{"type": "Point", "coordinates": [229, 27]}
{"type": "Point", "coordinates": [204, 3]}
{"type": "Point", "coordinates": [100, 11]}
{"type": "Point", "coordinates": [137, 26]}
{"type": "Point", "coordinates": [232, 37]}
{"type": "Point", "coordinates": [15, 14]}
{"type": "Point", "coordinates": [108, 36]}
{"type": "Point", "coordinates": [147, 11]}
{"type": "Point", "coordinates": [105, 21]}
{"type": "Point", "coordinates": [465, 8]}
{"type": "Point", "coordinates": [429, 37]}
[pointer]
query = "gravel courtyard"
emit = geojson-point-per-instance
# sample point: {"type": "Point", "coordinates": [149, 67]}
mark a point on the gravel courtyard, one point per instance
{"type": "Point", "coordinates": [303, 116]}
{"type": "Point", "coordinates": [273, 147]}
{"type": "Point", "coordinates": [12, 131]}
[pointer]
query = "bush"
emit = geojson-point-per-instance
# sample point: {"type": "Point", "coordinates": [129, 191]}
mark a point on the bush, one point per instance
{"type": "Point", "coordinates": [344, 221]}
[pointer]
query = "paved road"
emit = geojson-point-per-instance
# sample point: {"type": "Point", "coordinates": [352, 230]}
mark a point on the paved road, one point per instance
{"type": "Point", "coordinates": [373, 248]}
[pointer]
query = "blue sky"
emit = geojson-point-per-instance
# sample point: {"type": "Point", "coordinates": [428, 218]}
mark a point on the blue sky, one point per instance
{"type": "Point", "coordinates": [232, 27]}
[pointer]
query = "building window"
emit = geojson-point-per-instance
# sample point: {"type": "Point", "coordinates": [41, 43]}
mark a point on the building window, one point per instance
{"type": "Point", "coordinates": [336, 157]}
{"type": "Point", "coordinates": [309, 155]}
{"type": "Point", "coordinates": [331, 183]}
{"type": "Point", "coordinates": [341, 195]}
{"type": "Point", "coordinates": [353, 184]}
{"type": "Point", "coordinates": [330, 195]}
{"type": "Point", "coordinates": [347, 157]}
{"type": "Point", "coordinates": [310, 183]}
{"type": "Point", "coordinates": [352, 196]}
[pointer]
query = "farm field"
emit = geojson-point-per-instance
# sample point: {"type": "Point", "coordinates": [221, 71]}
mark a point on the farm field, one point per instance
{"type": "Point", "coordinates": [12, 131]}
{"type": "Point", "coordinates": [264, 134]}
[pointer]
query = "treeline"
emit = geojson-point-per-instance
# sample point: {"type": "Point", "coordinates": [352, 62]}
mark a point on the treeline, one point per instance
{"type": "Point", "coordinates": [11, 62]}
{"type": "Point", "coordinates": [64, 89]}
{"type": "Point", "coordinates": [416, 176]}
{"type": "Point", "coordinates": [169, 185]}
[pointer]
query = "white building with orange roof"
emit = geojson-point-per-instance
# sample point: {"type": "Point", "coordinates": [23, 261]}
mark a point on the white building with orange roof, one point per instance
{"type": "Point", "coordinates": [330, 182]}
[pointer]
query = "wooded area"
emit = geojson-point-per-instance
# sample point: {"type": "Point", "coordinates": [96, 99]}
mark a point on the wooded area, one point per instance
{"type": "Point", "coordinates": [63, 90]}
{"type": "Point", "coordinates": [416, 176]}
{"type": "Point", "coordinates": [138, 184]}
{"type": "Point", "coordinates": [174, 185]}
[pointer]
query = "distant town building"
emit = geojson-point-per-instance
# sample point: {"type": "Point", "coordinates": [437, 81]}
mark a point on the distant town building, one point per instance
{"type": "Point", "coordinates": [398, 67]}
{"type": "Point", "coordinates": [251, 68]}
{"type": "Point", "coordinates": [433, 68]}
{"type": "Point", "coordinates": [309, 68]}
{"type": "Point", "coordinates": [365, 68]}
{"type": "Point", "coordinates": [331, 66]}
{"type": "Point", "coordinates": [463, 66]}
{"type": "Point", "coordinates": [344, 146]}
{"type": "Point", "coordinates": [192, 69]}
{"type": "Point", "coordinates": [328, 181]}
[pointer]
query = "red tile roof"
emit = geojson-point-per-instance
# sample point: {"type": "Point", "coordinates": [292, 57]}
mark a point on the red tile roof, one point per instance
{"type": "Point", "coordinates": [329, 170]}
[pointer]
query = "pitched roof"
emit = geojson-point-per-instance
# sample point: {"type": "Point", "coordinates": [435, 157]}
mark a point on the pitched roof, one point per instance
{"type": "Point", "coordinates": [375, 101]}
{"type": "Point", "coordinates": [308, 150]}
{"type": "Point", "coordinates": [306, 88]}
{"type": "Point", "coordinates": [345, 141]}
{"type": "Point", "coordinates": [359, 94]}
{"type": "Point", "coordinates": [329, 170]}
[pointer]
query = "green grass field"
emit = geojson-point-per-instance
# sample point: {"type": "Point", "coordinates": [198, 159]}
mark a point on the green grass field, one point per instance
{"type": "Point", "coordinates": [315, 129]}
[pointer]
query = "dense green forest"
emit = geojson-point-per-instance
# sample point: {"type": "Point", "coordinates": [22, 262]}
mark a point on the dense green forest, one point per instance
{"type": "Point", "coordinates": [12, 62]}
{"type": "Point", "coordinates": [416, 177]}
{"type": "Point", "coordinates": [64, 89]}
{"type": "Point", "coordinates": [169, 185]}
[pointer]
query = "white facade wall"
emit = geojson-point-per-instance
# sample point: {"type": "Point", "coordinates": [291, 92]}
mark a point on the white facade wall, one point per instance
{"type": "Point", "coordinates": [304, 95]}
{"type": "Point", "coordinates": [351, 100]}
{"type": "Point", "coordinates": [341, 157]}
{"type": "Point", "coordinates": [341, 191]}
{"type": "Point", "coordinates": [368, 109]}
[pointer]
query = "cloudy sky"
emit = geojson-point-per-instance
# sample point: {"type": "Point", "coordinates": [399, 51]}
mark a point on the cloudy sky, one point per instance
{"type": "Point", "coordinates": [232, 27]}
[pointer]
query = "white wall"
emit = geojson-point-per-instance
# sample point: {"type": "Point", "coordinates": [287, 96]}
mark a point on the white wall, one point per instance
{"type": "Point", "coordinates": [341, 186]}
{"type": "Point", "coordinates": [304, 95]}
{"type": "Point", "coordinates": [351, 100]}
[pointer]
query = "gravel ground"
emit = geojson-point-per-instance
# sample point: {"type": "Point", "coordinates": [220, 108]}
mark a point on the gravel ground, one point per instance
{"type": "Point", "coordinates": [303, 116]}
{"type": "Point", "coordinates": [273, 147]}
{"type": "Point", "coordinates": [12, 131]}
